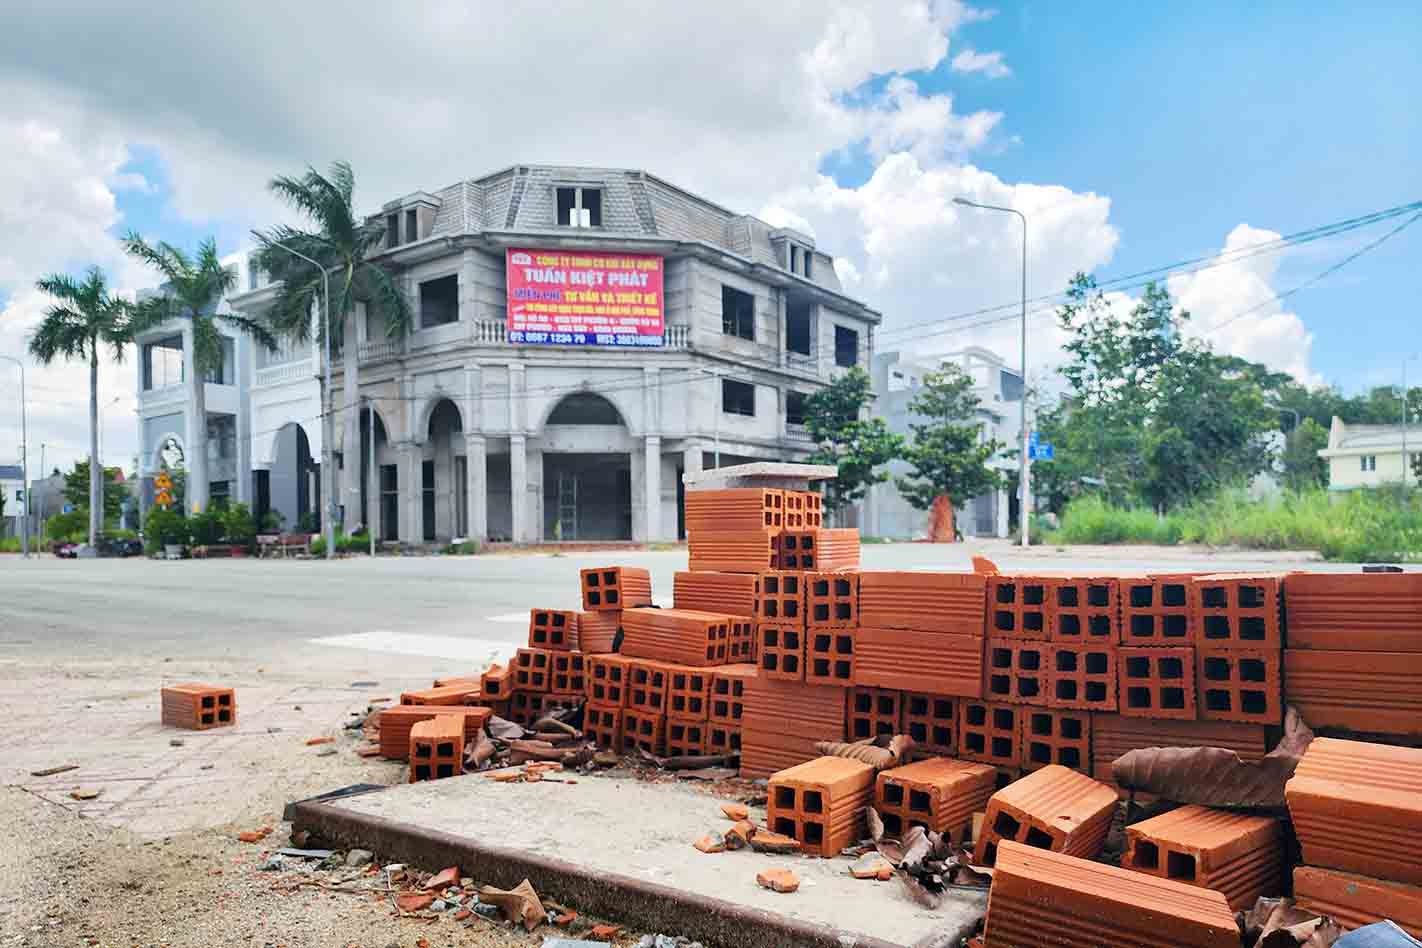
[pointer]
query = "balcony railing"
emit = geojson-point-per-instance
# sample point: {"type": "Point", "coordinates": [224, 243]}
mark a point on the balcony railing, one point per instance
{"type": "Point", "coordinates": [678, 337]}
{"type": "Point", "coordinates": [378, 350]}
{"type": "Point", "coordinates": [494, 332]}
{"type": "Point", "coordinates": [489, 332]}
{"type": "Point", "coordinates": [286, 372]}
{"type": "Point", "coordinates": [173, 392]}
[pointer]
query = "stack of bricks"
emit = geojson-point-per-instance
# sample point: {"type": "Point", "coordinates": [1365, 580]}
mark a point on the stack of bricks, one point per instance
{"type": "Point", "coordinates": [198, 707]}
{"type": "Point", "coordinates": [1354, 651]}
{"type": "Point", "coordinates": [1357, 810]}
{"type": "Point", "coordinates": [733, 530]}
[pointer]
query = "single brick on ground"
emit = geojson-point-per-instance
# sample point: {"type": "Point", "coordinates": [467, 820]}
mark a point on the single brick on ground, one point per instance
{"type": "Point", "coordinates": [821, 803]}
{"type": "Point", "coordinates": [940, 794]}
{"type": "Point", "coordinates": [197, 707]}
{"type": "Point", "coordinates": [1237, 854]}
{"type": "Point", "coordinates": [1053, 808]}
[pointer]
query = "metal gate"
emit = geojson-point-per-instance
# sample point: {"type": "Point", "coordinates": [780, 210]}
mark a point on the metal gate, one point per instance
{"type": "Point", "coordinates": [567, 506]}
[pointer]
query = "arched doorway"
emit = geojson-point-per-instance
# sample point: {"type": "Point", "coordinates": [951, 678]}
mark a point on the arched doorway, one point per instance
{"type": "Point", "coordinates": [587, 471]}
{"type": "Point", "coordinates": [293, 484]}
{"type": "Point", "coordinates": [444, 476]}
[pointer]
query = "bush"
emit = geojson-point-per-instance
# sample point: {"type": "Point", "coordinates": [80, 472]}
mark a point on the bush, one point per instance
{"type": "Point", "coordinates": [11, 545]}
{"type": "Point", "coordinates": [238, 526]}
{"type": "Point", "coordinates": [72, 527]}
{"type": "Point", "coordinates": [358, 542]}
{"type": "Point", "coordinates": [164, 527]}
{"type": "Point", "coordinates": [205, 528]}
{"type": "Point", "coordinates": [464, 548]}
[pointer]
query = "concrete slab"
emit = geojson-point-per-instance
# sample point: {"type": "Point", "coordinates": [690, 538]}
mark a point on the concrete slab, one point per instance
{"type": "Point", "coordinates": [623, 848]}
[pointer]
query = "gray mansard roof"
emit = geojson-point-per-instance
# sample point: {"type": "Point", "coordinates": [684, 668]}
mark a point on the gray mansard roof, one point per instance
{"type": "Point", "coordinates": [635, 205]}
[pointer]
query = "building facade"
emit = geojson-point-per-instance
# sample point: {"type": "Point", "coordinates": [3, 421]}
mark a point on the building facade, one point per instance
{"type": "Point", "coordinates": [467, 427]}
{"type": "Point", "coordinates": [897, 380]}
{"type": "Point", "coordinates": [1361, 456]}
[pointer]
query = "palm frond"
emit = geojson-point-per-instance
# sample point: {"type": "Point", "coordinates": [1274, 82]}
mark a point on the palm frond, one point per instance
{"type": "Point", "coordinates": [382, 290]}
{"type": "Point", "coordinates": [256, 328]}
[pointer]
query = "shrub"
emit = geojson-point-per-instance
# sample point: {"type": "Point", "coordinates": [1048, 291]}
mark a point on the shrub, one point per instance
{"type": "Point", "coordinates": [71, 527]}
{"type": "Point", "coordinates": [238, 526]}
{"type": "Point", "coordinates": [164, 527]}
{"type": "Point", "coordinates": [205, 528]}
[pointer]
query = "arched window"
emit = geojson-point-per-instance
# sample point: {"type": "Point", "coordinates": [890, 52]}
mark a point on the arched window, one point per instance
{"type": "Point", "coordinates": [585, 408]}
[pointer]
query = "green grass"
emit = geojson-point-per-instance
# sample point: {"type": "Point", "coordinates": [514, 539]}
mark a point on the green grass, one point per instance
{"type": "Point", "coordinates": [1361, 526]}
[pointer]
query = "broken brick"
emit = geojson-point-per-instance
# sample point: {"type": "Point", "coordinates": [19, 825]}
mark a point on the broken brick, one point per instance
{"type": "Point", "coordinates": [777, 880]}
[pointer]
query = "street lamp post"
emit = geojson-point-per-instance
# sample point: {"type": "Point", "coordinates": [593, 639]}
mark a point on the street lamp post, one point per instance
{"type": "Point", "coordinates": [1024, 469]}
{"type": "Point", "coordinates": [328, 522]}
{"type": "Point", "coordinates": [24, 460]}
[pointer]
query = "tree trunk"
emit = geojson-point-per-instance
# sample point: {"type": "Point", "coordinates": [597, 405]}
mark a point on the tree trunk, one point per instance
{"type": "Point", "coordinates": [197, 481]}
{"type": "Point", "coordinates": [96, 472]}
{"type": "Point", "coordinates": [941, 528]}
{"type": "Point", "coordinates": [351, 453]}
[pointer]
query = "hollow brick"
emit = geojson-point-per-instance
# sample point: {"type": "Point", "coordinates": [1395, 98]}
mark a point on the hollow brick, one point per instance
{"type": "Point", "coordinates": [1157, 682]}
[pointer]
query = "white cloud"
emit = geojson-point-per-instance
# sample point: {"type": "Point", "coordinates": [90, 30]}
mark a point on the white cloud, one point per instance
{"type": "Point", "coordinates": [989, 64]}
{"type": "Point", "coordinates": [1232, 308]}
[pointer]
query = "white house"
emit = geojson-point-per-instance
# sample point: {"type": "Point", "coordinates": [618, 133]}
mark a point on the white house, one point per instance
{"type": "Point", "coordinates": [1370, 455]}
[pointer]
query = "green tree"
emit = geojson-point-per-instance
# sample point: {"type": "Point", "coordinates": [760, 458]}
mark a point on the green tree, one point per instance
{"type": "Point", "coordinates": [857, 447]}
{"type": "Point", "coordinates": [193, 286]}
{"type": "Point", "coordinates": [343, 243]}
{"type": "Point", "coordinates": [1303, 468]}
{"type": "Point", "coordinates": [949, 451]}
{"type": "Point", "coordinates": [76, 491]}
{"type": "Point", "coordinates": [84, 315]}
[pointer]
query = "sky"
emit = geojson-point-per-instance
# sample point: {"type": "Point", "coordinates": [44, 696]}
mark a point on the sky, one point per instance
{"type": "Point", "coordinates": [1131, 136]}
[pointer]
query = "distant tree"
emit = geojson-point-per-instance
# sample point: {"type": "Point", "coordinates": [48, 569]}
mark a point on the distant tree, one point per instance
{"type": "Point", "coordinates": [84, 315]}
{"type": "Point", "coordinates": [193, 285]}
{"type": "Point", "coordinates": [857, 447]}
{"type": "Point", "coordinates": [949, 450]}
{"type": "Point", "coordinates": [76, 492]}
{"type": "Point", "coordinates": [1303, 468]}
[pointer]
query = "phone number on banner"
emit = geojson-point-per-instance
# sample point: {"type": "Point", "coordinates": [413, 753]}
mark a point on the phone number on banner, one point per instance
{"type": "Point", "coordinates": [625, 340]}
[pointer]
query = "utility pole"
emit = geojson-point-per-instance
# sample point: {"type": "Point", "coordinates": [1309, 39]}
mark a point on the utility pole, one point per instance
{"type": "Point", "coordinates": [1024, 468]}
{"type": "Point", "coordinates": [372, 490]}
{"type": "Point", "coordinates": [24, 462]}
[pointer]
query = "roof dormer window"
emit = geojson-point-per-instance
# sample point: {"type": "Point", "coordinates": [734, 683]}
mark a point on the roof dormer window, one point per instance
{"type": "Point", "coordinates": [579, 207]}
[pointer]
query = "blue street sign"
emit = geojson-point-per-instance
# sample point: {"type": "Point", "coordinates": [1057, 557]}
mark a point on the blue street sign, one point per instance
{"type": "Point", "coordinates": [1032, 439]}
{"type": "Point", "coordinates": [68, 508]}
{"type": "Point", "coordinates": [1041, 452]}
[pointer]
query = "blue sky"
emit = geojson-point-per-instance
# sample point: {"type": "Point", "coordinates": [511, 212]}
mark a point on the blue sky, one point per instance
{"type": "Point", "coordinates": [1194, 118]}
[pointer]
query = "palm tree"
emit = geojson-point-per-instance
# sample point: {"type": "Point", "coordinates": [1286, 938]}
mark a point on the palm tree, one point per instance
{"type": "Point", "coordinates": [192, 288]}
{"type": "Point", "coordinates": [343, 243]}
{"type": "Point", "coordinates": [85, 314]}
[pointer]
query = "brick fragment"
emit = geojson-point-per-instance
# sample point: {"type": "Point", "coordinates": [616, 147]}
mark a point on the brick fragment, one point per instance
{"type": "Point", "coordinates": [1016, 671]}
{"type": "Point", "coordinates": [1236, 854]}
{"type": "Point", "coordinates": [198, 707]}
{"type": "Point", "coordinates": [988, 733]}
{"type": "Point", "coordinates": [615, 587]}
{"type": "Point", "coordinates": [1082, 676]}
{"type": "Point", "coordinates": [1055, 737]}
{"type": "Point", "coordinates": [1053, 808]}
{"type": "Point", "coordinates": [939, 793]}
{"type": "Point", "coordinates": [821, 803]}
{"type": "Point", "coordinates": [1084, 904]}
{"type": "Point", "coordinates": [1157, 682]}
{"type": "Point", "coordinates": [1240, 685]}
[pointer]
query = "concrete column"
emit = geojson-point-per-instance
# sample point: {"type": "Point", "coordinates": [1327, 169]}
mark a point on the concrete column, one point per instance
{"type": "Point", "coordinates": [518, 486]}
{"type": "Point", "coordinates": [412, 456]}
{"type": "Point", "coordinates": [652, 488]}
{"type": "Point", "coordinates": [242, 350]}
{"type": "Point", "coordinates": [1002, 510]}
{"type": "Point", "coordinates": [373, 519]}
{"type": "Point", "coordinates": [784, 327]}
{"type": "Point", "coordinates": [477, 454]}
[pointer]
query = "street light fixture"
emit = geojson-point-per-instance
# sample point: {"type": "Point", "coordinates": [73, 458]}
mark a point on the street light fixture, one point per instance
{"type": "Point", "coordinates": [1024, 470]}
{"type": "Point", "coordinates": [24, 460]}
{"type": "Point", "coordinates": [328, 522]}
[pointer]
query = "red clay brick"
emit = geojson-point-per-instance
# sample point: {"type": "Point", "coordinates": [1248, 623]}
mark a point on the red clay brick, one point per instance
{"type": "Point", "coordinates": [1240, 685]}
{"type": "Point", "coordinates": [532, 667]}
{"type": "Point", "coordinates": [1361, 612]}
{"type": "Point", "coordinates": [939, 794]}
{"type": "Point", "coordinates": [1155, 610]}
{"type": "Point", "coordinates": [817, 548]}
{"type": "Point", "coordinates": [597, 631]}
{"type": "Point", "coordinates": [647, 686]}
{"type": "Point", "coordinates": [524, 707]}
{"type": "Point", "coordinates": [1081, 676]}
{"type": "Point", "coordinates": [452, 695]}
{"type": "Point", "coordinates": [685, 738]}
{"type": "Point", "coordinates": [680, 635]}
{"type": "Point", "coordinates": [554, 629]}
{"type": "Point", "coordinates": [727, 693]}
{"type": "Point", "coordinates": [609, 588]}
{"type": "Point", "coordinates": [1236, 854]}
{"type": "Point", "coordinates": [1357, 806]}
{"type": "Point", "coordinates": [606, 679]}
{"type": "Point", "coordinates": [1017, 607]}
{"type": "Point", "coordinates": [1353, 901]}
{"type": "Point", "coordinates": [566, 674]}
{"type": "Point", "coordinates": [602, 724]}
{"type": "Point", "coordinates": [436, 748]}
{"type": "Point", "coordinates": [829, 656]}
{"type": "Point", "coordinates": [795, 510]}
{"type": "Point", "coordinates": [1083, 610]}
{"type": "Point", "coordinates": [644, 731]}
{"type": "Point", "coordinates": [932, 722]}
{"type": "Point", "coordinates": [1238, 611]}
{"type": "Point", "coordinates": [821, 803]}
{"type": "Point", "coordinates": [1055, 737]}
{"type": "Point", "coordinates": [1016, 671]}
{"type": "Point", "coordinates": [1053, 808]}
{"type": "Point", "coordinates": [952, 603]}
{"type": "Point", "coordinates": [1373, 692]}
{"type": "Point", "coordinates": [395, 724]}
{"type": "Point", "coordinates": [780, 650]}
{"type": "Point", "coordinates": [919, 661]}
{"type": "Point", "coordinates": [729, 551]}
{"type": "Point", "coordinates": [832, 600]}
{"type": "Point", "coordinates": [198, 707]}
{"type": "Point", "coordinates": [1157, 682]}
{"type": "Point", "coordinates": [1085, 904]}
{"type": "Point", "coordinates": [782, 721]}
{"type": "Point", "coordinates": [988, 733]}
{"type": "Point", "coordinates": [735, 510]}
{"type": "Point", "coordinates": [1113, 735]}
{"type": "Point", "coordinates": [872, 712]}
{"type": "Point", "coordinates": [688, 694]}
{"type": "Point", "coordinates": [722, 738]}
{"type": "Point", "coordinates": [780, 598]}
{"type": "Point", "coordinates": [496, 683]}
{"type": "Point", "coordinates": [725, 593]}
